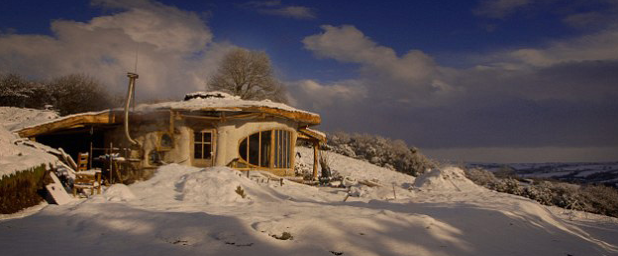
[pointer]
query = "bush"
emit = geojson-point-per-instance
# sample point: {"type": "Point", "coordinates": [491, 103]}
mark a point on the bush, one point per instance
{"type": "Point", "coordinates": [79, 93]}
{"type": "Point", "coordinates": [392, 154]}
{"type": "Point", "coordinates": [601, 199]}
{"type": "Point", "coordinates": [21, 189]}
{"type": "Point", "coordinates": [69, 94]}
{"type": "Point", "coordinates": [14, 90]}
{"type": "Point", "coordinates": [598, 199]}
{"type": "Point", "coordinates": [481, 177]}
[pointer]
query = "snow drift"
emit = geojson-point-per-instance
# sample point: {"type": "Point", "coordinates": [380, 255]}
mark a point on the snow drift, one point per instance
{"type": "Point", "coordinates": [449, 179]}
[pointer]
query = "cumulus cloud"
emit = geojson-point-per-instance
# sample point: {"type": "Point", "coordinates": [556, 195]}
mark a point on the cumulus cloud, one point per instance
{"type": "Point", "coordinates": [175, 49]}
{"type": "Point", "coordinates": [320, 96]}
{"type": "Point", "coordinates": [411, 75]}
{"type": "Point", "coordinates": [348, 44]}
{"type": "Point", "coordinates": [278, 9]}
{"type": "Point", "coordinates": [533, 97]}
{"type": "Point", "coordinates": [597, 46]}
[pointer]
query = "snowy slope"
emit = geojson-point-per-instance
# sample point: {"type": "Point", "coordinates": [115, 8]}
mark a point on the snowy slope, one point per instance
{"type": "Point", "coordinates": [357, 169]}
{"type": "Point", "coordinates": [193, 211]}
{"type": "Point", "coordinates": [17, 155]}
{"type": "Point", "coordinates": [17, 118]}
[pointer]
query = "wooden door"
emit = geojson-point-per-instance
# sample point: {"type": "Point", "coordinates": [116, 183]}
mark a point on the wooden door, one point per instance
{"type": "Point", "coordinates": [203, 148]}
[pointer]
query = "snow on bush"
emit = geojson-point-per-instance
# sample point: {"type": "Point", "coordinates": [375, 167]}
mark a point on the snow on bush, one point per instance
{"type": "Point", "coordinates": [23, 169]}
{"type": "Point", "coordinates": [388, 153]}
{"type": "Point", "coordinates": [446, 179]}
{"type": "Point", "coordinates": [591, 198]}
{"type": "Point", "coordinates": [68, 94]}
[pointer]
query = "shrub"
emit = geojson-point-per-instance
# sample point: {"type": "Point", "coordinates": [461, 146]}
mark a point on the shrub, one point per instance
{"type": "Point", "coordinates": [78, 93]}
{"type": "Point", "coordinates": [598, 199]}
{"type": "Point", "coordinates": [601, 199]}
{"type": "Point", "coordinates": [69, 94]}
{"type": "Point", "coordinates": [22, 189]}
{"type": "Point", "coordinates": [14, 90]}
{"type": "Point", "coordinates": [481, 177]}
{"type": "Point", "coordinates": [392, 154]}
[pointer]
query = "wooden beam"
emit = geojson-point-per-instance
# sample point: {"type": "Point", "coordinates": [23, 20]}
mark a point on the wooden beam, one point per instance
{"type": "Point", "coordinates": [315, 160]}
{"type": "Point", "coordinates": [172, 122]}
{"type": "Point", "coordinates": [105, 117]}
{"type": "Point", "coordinates": [304, 117]}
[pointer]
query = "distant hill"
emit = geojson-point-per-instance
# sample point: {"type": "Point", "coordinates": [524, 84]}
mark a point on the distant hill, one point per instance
{"type": "Point", "coordinates": [585, 172]}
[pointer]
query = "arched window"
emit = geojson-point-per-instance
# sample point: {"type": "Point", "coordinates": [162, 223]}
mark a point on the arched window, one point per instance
{"type": "Point", "coordinates": [270, 149]}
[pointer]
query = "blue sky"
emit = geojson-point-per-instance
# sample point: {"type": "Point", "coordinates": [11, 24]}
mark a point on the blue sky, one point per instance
{"type": "Point", "coordinates": [483, 80]}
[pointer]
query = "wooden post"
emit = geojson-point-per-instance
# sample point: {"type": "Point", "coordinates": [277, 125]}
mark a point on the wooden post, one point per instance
{"type": "Point", "coordinates": [98, 174]}
{"type": "Point", "coordinates": [111, 165]}
{"type": "Point", "coordinates": [316, 144]}
{"type": "Point", "coordinates": [90, 155]}
{"type": "Point", "coordinates": [394, 194]}
{"type": "Point", "coordinates": [172, 124]}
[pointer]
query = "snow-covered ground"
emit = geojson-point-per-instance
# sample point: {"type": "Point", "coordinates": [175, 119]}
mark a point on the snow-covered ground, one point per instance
{"type": "Point", "coordinates": [219, 211]}
{"type": "Point", "coordinates": [17, 154]}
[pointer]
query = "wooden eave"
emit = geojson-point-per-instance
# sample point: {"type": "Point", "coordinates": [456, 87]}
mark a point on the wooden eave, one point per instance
{"type": "Point", "coordinates": [301, 117]}
{"type": "Point", "coordinates": [117, 117]}
{"type": "Point", "coordinates": [311, 135]}
{"type": "Point", "coordinates": [105, 117]}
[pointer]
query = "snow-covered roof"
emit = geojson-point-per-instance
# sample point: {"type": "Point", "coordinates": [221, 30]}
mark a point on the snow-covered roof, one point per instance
{"type": "Point", "coordinates": [217, 101]}
{"type": "Point", "coordinates": [315, 134]}
{"type": "Point", "coordinates": [197, 101]}
{"type": "Point", "coordinates": [18, 155]}
{"type": "Point", "coordinates": [17, 118]}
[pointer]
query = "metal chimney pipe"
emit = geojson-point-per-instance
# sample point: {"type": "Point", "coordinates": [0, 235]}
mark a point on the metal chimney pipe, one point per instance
{"type": "Point", "coordinates": [130, 92]}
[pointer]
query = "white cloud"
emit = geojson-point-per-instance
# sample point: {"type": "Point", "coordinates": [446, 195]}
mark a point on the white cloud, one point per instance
{"type": "Point", "coordinates": [409, 74]}
{"type": "Point", "coordinates": [176, 51]}
{"type": "Point", "coordinates": [263, 3]}
{"type": "Point", "coordinates": [597, 46]}
{"type": "Point", "coordinates": [297, 12]}
{"type": "Point", "coordinates": [499, 8]}
{"type": "Point", "coordinates": [278, 9]}
{"type": "Point", "coordinates": [527, 97]}
{"type": "Point", "coordinates": [320, 96]}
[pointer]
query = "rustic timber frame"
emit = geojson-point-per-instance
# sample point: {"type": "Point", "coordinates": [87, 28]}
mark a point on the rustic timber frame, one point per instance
{"type": "Point", "coordinates": [165, 132]}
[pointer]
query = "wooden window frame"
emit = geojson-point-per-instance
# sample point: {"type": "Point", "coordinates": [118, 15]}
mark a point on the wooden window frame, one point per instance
{"type": "Point", "coordinates": [159, 145]}
{"type": "Point", "coordinates": [275, 150]}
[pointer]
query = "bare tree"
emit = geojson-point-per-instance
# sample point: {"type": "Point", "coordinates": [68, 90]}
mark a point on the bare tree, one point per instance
{"type": "Point", "coordinates": [247, 74]}
{"type": "Point", "coordinates": [79, 93]}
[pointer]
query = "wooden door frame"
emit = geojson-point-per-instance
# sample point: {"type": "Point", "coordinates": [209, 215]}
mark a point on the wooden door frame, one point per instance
{"type": "Point", "coordinates": [213, 148]}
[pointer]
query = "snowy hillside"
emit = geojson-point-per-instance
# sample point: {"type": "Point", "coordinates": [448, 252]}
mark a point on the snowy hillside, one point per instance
{"type": "Point", "coordinates": [606, 172]}
{"type": "Point", "coordinates": [219, 211]}
{"type": "Point", "coordinates": [17, 118]}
